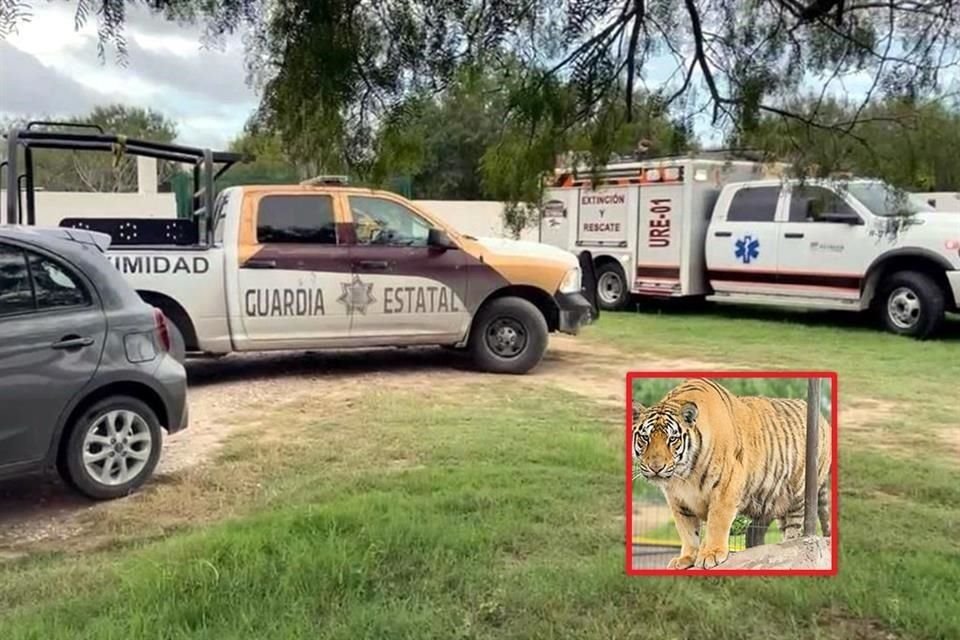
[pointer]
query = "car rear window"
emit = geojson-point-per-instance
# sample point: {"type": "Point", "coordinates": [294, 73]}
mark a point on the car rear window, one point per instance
{"type": "Point", "coordinates": [54, 285]}
{"type": "Point", "coordinates": [32, 282]}
{"type": "Point", "coordinates": [296, 219]}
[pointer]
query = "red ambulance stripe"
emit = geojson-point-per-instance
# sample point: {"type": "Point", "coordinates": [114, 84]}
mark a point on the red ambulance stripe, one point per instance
{"type": "Point", "coordinates": [821, 280]}
{"type": "Point", "coordinates": [658, 272]}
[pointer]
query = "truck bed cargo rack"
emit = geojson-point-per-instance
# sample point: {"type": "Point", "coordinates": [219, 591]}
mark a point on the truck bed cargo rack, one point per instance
{"type": "Point", "coordinates": [207, 166]}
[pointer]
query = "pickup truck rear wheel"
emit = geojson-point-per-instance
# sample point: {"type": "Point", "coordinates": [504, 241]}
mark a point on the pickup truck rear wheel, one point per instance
{"type": "Point", "coordinates": [509, 335]}
{"type": "Point", "coordinates": [613, 293]}
{"type": "Point", "coordinates": [911, 304]}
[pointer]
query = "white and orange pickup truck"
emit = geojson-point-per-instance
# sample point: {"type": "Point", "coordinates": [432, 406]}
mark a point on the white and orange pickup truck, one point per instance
{"type": "Point", "coordinates": [323, 265]}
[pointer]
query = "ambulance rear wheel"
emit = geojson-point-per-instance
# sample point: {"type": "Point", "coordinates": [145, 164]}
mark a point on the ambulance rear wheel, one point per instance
{"type": "Point", "coordinates": [509, 335]}
{"type": "Point", "coordinates": [613, 293]}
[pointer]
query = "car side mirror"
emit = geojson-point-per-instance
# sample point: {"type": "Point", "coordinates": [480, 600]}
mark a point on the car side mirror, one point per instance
{"type": "Point", "coordinates": [845, 217]}
{"type": "Point", "coordinates": [438, 239]}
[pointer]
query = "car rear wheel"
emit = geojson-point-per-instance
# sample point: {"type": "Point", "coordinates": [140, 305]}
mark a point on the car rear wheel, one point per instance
{"type": "Point", "coordinates": [113, 448]}
{"type": "Point", "coordinates": [509, 335]}
{"type": "Point", "coordinates": [911, 304]}
{"type": "Point", "coordinates": [613, 293]}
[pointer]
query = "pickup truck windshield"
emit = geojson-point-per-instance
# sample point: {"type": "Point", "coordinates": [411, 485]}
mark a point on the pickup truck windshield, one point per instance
{"type": "Point", "coordinates": [884, 200]}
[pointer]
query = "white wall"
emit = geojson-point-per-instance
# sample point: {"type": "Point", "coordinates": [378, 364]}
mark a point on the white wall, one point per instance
{"type": "Point", "coordinates": [943, 201]}
{"type": "Point", "coordinates": [476, 218]}
{"type": "Point", "coordinates": [53, 206]}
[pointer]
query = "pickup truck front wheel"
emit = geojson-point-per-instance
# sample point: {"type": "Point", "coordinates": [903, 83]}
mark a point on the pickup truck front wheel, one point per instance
{"type": "Point", "coordinates": [509, 335]}
{"type": "Point", "coordinates": [911, 304]}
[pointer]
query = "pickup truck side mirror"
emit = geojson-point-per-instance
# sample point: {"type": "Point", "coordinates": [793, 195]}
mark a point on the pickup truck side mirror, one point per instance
{"type": "Point", "coordinates": [438, 239]}
{"type": "Point", "coordinates": [845, 217]}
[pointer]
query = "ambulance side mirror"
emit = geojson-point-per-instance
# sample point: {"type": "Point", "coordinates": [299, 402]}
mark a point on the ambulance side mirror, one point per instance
{"type": "Point", "coordinates": [438, 239]}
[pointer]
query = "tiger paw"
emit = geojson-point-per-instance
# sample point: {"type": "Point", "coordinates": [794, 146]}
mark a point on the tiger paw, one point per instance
{"type": "Point", "coordinates": [710, 558]}
{"type": "Point", "coordinates": [681, 562]}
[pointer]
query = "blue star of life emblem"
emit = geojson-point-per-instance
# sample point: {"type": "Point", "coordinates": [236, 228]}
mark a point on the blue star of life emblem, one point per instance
{"type": "Point", "coordinates": [356, 295]}
{"type": "Point", "coordinates": [747, 249]}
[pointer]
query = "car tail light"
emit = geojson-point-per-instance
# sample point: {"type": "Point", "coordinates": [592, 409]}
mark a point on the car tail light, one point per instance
{"type": "Point", "coordinates": [163, 334]}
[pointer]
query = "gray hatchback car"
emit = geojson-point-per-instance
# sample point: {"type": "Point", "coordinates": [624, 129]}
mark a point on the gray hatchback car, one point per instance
{"type": "Point", "coordinates": [87, 382]}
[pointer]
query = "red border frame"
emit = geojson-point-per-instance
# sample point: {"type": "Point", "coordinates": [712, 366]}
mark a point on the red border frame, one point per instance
{"type": "Point", "coordinates": [834, 474]}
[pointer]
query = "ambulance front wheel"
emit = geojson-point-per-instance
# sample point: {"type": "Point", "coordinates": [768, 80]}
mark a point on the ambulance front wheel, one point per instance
{"type": "Point", "coordinates": [912, 304]}
{"type": "Point", "coordinates": [509, 335]}
{"type": "Point", "coordinates": [613, 292]}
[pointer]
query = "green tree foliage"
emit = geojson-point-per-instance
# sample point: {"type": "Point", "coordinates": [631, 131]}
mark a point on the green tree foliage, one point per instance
{"type": "Point", "coordinates": [56, 170]}
{"type": "Point", "coordinates": [266, 160]}
{"type": "Point", "coordinates": [334, 73]}
{"type": "Point", "coordinates": [472, 141]}
{"type": "Point", "coordinates": [909, 143]}
{"type": "Point", "coordinates": [439, 139]}
{"type": "Point", "coordinates": [340, 65]}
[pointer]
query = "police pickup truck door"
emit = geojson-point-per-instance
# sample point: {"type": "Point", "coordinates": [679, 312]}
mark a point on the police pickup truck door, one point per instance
{"type": "Point", "coordinates": [742, 248]}
{"type": "Point", "coordinates": [291, 266]}
{"type": "Point", "coordinates": [820, 243]}
{"type": "Point", "coordinates": [401, 289]}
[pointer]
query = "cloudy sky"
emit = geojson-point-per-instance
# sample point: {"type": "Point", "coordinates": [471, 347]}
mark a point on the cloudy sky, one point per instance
{"type": "Point", "coordinates": [50, 69]}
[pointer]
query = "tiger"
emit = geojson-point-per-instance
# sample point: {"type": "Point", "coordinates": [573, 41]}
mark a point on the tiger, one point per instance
{"type": "Point", "coordinates": [715, 455]}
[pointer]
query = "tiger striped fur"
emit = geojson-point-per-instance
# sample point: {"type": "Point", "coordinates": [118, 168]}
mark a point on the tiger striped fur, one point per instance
{"type": "Point", "coordinates": [715, 455]}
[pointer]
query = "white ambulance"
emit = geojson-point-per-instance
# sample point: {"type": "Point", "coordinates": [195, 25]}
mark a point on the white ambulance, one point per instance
{"type": "Point", "coordinates": [741, 232]}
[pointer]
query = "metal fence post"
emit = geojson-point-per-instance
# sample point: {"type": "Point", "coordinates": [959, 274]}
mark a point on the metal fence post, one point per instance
{"type": "Point", "coordinates": [13, 184]}
{"type": "Point", "coordinates": [811, 488]}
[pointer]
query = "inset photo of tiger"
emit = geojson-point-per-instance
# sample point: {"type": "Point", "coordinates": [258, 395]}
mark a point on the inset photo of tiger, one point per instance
{"type": "Point", "coordinates": [717, 473]}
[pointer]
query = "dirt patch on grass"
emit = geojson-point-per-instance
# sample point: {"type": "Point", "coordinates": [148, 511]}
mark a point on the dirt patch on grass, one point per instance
{"type": "Point", "coordinates": [250, 415]}
{"type": "Point", "coordinates": [840, 624]}
{"type": "Point", "coordinates": [951, 437]}
{"type": "Point", "coordinates": [865, 420]}
{"type": "Point", "coordinates": [864, 414]}
{"type": "Point", "coordinates": [250, 412]}
{"type": "Point", "coordinates": [599, 372]}
{"type": "Point", "coordinates": [872, 423]}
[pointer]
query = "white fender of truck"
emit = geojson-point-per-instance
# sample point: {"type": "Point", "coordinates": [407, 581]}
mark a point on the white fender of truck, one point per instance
{"type": "Point", "coordinates": [192, 278]}
{"type": "Point", "coordinates": [875, 270]}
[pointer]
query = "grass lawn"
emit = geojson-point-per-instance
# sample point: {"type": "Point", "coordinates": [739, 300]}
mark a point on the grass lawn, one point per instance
{"type": "Point", "coordinates": [496, 511]}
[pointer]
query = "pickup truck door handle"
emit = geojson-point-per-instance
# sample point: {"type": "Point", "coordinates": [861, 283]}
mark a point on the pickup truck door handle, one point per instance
{"type": "Point", "coordinates": [793, 235]}
{"type": "Point", "coordinates": [72, 342]}
{"type": "Point", "coordinates": [260, 264]}
{"type": "Point", "coordinates": [373, 265]}
{"type": "Point", "coordinates": [723, 234]}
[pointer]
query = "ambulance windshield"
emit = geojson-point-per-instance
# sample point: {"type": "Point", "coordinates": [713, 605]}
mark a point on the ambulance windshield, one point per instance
{"type": "Point", "coordinates": [885, 200]}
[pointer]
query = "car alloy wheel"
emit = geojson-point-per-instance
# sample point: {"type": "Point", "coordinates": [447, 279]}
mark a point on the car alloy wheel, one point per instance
{"type": "Point", "coordinates": [116, 447]}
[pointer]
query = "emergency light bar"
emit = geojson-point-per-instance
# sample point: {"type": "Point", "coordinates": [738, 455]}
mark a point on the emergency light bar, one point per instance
{"type": "Point", "coordinates": [326, 180]}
